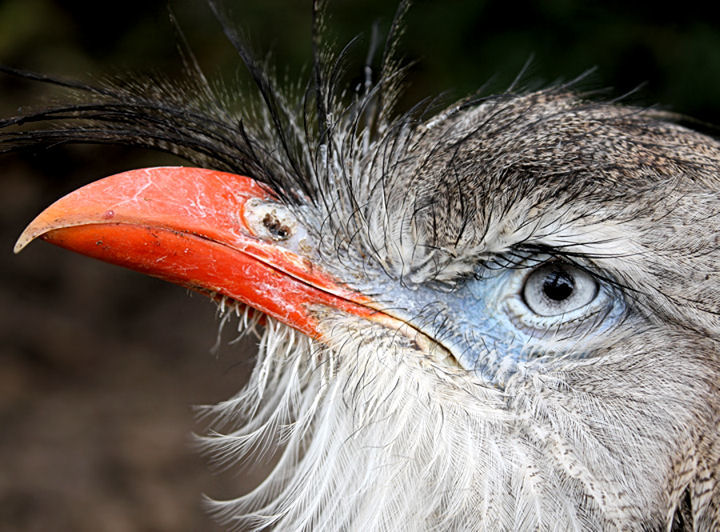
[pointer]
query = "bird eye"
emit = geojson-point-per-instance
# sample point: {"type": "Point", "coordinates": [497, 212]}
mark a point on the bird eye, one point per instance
{"type": "Point", "coordinates": [556, 288]}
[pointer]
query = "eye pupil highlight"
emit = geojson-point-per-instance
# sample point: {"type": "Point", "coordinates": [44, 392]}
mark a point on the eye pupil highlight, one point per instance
{"type": "Point", "coordinates": [558, 285]}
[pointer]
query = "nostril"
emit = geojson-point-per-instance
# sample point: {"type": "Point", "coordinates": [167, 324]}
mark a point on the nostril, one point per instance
{"type": "Point", "coordinates": [276, 228]}
{"type": "Point", "coordinates": [272, 221]}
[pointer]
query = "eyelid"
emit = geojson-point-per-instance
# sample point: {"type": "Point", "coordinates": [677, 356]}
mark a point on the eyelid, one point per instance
{"type": "Point", "coordinates": [604, 310]}
{"type": "Point", "coordinates": [579, 260]}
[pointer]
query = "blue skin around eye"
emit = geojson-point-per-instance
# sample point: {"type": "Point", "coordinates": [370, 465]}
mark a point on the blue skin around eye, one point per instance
{"type": "Point", "coordinates": [474, 322]}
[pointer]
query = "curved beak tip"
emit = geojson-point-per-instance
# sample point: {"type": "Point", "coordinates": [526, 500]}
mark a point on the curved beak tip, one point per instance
{"type": "Point", "coordinates": [27, 236]}
{"type": "Point", "coordinates": [20, 244]}
{"type": "Point", "coordinates": [44, 223]}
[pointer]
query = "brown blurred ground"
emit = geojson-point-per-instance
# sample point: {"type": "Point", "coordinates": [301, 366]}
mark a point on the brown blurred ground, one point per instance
{"type": "Point", "coordinates": [99, 367]}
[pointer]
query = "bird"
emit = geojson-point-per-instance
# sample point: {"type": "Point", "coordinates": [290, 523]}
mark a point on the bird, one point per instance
{"type": "Point", "coordinates": [498, 315]}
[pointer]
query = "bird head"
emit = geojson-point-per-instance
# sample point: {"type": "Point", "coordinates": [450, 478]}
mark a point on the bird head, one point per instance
{"type": "Point", "coordinates": [501, 315]}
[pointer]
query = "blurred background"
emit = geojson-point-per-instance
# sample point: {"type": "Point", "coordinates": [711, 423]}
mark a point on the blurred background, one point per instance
{"type": "Point", "coordinates": [99, 367]}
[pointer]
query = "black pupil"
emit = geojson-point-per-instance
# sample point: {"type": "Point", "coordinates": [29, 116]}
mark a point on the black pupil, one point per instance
{"type": "Point", "coordinates": [558, 285]}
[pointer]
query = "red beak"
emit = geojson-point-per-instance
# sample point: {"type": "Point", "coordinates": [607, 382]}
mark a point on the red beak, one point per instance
{"type": "Point", "coordinates": [200, 229]}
